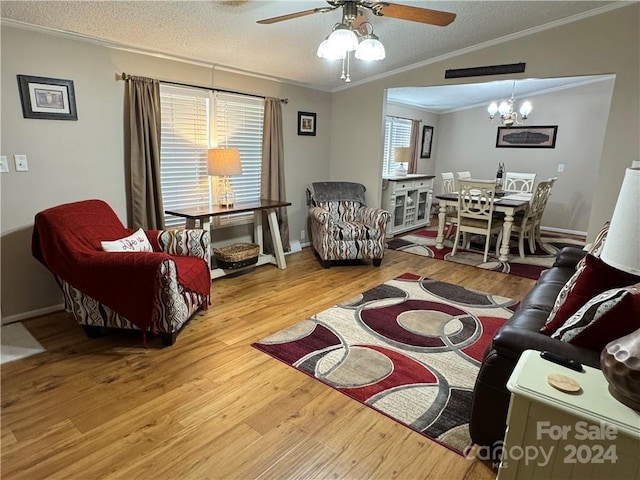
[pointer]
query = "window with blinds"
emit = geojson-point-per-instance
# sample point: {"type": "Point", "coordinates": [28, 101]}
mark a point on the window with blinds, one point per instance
{"type": "Point", "coordinates": [238, 121]}
{"type": "Point", "coordinates": [194, 119]}
{"type": "Point", "coordinates": [397, 133]}
{"type": "Point", "coordinates": [184, 141]}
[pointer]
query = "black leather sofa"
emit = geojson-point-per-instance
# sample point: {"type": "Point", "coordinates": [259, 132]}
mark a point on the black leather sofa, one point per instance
{"type": "Point", "coordinates": [521, 332]}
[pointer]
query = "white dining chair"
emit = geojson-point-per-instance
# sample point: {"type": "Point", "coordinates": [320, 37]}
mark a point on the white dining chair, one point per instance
{"type": "Point", "coordinates": [527, 224]}
{"type": "Point", "coordinates": [451, 217]}
{"type": "Point", "coordinates": [475, 213]}
{"type": "Point", "coordinates": [519, 182]}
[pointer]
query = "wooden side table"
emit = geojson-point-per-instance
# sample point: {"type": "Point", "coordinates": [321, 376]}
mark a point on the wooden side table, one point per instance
{"type": "Point", "coordinates": [557, 435]}
{"type": "Point", "coordinates": [203, 215]}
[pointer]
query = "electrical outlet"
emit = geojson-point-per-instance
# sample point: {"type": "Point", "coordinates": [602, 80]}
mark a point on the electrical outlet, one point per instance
{"type": "Point", "coordinates": [4, 164]}
{"type": "Point", "coordinates": [21, 163]}
{"type": "Point", "coordinates": [303, 235]}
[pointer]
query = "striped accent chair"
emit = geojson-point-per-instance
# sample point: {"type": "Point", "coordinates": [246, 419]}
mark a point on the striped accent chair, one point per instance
{"type": "Point", "coordinates": [342, 226]}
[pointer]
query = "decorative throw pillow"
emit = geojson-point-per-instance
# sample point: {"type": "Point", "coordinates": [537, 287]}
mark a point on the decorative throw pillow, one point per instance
{"type": "Point", "coordinates": [610, 315]}
{"type": "Point", "coordinates": [594, 278]}
{"type": "Point", "coordinates": [596, 247]}
{"type": "Point", "coordinates": [136, 242]}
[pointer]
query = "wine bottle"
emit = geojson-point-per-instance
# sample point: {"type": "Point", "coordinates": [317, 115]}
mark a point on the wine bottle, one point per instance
{"type": "Point", "coordinates": [499, 175]}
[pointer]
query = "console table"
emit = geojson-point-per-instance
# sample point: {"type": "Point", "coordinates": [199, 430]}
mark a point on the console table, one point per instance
{"type": "Point", "coordinates": [556, 435]}
{"type": "Point", "coordinates": [202, 215]}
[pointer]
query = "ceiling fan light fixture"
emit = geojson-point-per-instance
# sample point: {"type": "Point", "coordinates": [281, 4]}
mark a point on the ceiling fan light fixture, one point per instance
{"type": "Point", "coordinates": [343, 38]}
{"type": "Point", "coordinates": [370, 49]}
{"type": "Point", "coordinates": [325, 51]}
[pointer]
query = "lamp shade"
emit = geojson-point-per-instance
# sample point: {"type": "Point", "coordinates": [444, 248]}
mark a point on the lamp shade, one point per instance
{"type": "Point", "coordinates": [402, 155]}
{"type": "Point", "coordinates": [224, 161]}
{"type": "Point", "coordinates": [622, 245]}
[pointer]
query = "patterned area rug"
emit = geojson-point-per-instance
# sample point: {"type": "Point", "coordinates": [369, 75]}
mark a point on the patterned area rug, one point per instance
{"type": "Point", "coordinates": [409, 348]}
{"type": "Point", "coordinates": [422, 242]}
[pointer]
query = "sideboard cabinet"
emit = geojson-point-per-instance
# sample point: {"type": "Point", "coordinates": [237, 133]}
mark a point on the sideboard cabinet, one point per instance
{"type": "Point", "coordinates": [408, 199]}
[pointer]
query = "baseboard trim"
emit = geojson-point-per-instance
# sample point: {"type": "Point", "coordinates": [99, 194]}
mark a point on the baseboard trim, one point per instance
{"type": "Point", "coordinates": [31, 314]}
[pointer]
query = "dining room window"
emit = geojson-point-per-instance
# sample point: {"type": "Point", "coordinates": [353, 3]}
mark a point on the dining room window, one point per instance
{"type": "Point", "coordinates": [397, 133]}
{"type": "Point", "coordinates": [192, 121]}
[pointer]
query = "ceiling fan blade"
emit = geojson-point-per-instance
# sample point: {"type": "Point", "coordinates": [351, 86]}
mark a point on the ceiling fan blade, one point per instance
{"type": "Point", "coordinates": [416, 14]}
{"type": "Point", "coordinates": [290, 16]}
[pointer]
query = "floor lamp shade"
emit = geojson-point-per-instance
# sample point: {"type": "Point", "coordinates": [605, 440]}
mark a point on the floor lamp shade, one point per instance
{"type": "Point", "coordinates": [622, 245]}
{"type": "Point", "coordinates": [222, 162]}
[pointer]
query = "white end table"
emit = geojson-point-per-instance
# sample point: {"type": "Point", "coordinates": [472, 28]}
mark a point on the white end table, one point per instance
{"type": "Point", "coordinates": [557, 435]}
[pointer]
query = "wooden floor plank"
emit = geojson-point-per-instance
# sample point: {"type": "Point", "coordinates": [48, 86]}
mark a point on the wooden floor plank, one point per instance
{"type": "Point", "coordinates": [211, 406]}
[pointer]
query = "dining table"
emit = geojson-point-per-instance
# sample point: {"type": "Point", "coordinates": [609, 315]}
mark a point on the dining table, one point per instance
{"type": "Point", "coordinates": [507, 204]}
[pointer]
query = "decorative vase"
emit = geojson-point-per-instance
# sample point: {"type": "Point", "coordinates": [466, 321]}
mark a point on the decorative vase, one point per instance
{"type": "Point", "coordinates": [620, 362]}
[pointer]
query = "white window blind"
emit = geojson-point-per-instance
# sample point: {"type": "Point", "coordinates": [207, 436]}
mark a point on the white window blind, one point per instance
{"type": "Point", "coordinates": [238, 122]}
{"type": "Point", "coordinates": [183, 149]}
{"type": "Point", "coordinates": [397, 133]}
{"type": "Point", "coordinates": [193, 120]}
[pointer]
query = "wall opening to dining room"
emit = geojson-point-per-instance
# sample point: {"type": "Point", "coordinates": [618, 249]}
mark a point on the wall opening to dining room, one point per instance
{"type": "Point", "coordinates": [464, 138]}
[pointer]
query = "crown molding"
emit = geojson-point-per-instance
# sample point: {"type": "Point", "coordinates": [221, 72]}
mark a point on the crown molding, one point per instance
{"type": "Point", "coordinates": [489, 43]}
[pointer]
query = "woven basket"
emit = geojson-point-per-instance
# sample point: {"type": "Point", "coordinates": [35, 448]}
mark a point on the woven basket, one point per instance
{"type": "Point", "coordinates": [237, 255]}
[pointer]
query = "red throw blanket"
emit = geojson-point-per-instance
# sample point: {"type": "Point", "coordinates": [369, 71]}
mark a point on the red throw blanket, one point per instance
{"type": "Point", "coordinates": [66, 239]}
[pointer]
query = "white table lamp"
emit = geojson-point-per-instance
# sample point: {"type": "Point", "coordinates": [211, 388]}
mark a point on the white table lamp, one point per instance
{"type": "Point", "coordinates": [622, 245]}
{"type": "Point", "coordinates": [221, 163]}
{"type": "Point", "coordinates": [401, 155]}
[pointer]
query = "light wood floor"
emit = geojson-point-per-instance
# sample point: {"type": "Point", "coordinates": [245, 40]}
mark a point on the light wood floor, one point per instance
{"type": "Point", "coordinates": [211, 406]}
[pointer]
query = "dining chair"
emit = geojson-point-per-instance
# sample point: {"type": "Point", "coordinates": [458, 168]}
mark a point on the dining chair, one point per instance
{"type": "Point", "coordinates": [475, 213]}
{"type": "Point", "coordinates": [451, 217]}
{"type": "Point", "coordinates": [463, 175]}
{"type": "Point", "coordinates": [519, 182]}
{"type": "Point", "coordinates": [527, 223]}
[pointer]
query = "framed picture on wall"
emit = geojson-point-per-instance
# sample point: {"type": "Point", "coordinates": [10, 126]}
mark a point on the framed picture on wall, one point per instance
{"type": "Point", "coordinates": [47, 98]}
{"type": "Point", "coordinates": [306, 123]}
{"type": "Point", "coordinates": [427, 138]}
{"type": "Point", "coordinates": [527, 137]}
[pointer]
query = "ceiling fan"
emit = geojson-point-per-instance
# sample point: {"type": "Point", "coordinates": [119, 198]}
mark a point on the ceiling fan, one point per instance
{"type": "Point", "coordinates": [380, 9]}
{"type": "Point", "coordinates": [355, 34]}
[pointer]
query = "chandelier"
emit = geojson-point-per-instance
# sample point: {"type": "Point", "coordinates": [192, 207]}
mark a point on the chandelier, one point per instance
{"type": "Point", "coordinates": [346, 39]}
{"type": "Point", "coordinates": [508, 115]}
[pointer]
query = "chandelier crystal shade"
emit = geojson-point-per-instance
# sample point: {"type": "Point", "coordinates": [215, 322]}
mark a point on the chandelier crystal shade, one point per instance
{"type": "Point", "coordinates": [506, 109]}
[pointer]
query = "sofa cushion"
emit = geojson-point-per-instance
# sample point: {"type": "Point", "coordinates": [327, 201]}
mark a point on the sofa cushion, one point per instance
{"type": "Point", "coordinates": [606, 317]}
{"type": "Point", "coordinates": [350, 231]}
{"type": "Point", "coordinates": [594, 278]}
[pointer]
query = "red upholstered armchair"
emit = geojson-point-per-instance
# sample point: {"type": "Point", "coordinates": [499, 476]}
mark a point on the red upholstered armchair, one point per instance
{"type": "Point", "coordinates": [155, 291]}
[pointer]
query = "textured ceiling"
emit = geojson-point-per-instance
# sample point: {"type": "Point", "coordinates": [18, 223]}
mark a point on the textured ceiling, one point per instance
{"type": "Point", "coordinates": [225, 33]}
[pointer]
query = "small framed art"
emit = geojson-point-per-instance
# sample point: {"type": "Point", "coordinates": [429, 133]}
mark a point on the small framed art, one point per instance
{"type": "Point", "coordinates": [47, 98]}
{"type": "Point", "coordinates": [527, 137]}
{"type": "Point", "coordinates": [306, 123]}
{"type": "Point", "coordinates": [427, 138]}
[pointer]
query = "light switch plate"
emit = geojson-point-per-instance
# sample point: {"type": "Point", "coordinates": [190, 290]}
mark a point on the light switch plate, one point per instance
{"type": "Point", "coordinates": [21, 163]}
{"type": "Point", "coordinates": [561, 168]}
{"type": "Point", "coordinates": [4, 164]}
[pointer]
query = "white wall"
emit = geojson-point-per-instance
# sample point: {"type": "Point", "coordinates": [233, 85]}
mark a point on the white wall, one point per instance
{"type": "Point", "coordinates": [467, 142]}
{"type": "Point", "coordinates": [75, 160]}
{"type": "Point", "coordinates": [604, 44]}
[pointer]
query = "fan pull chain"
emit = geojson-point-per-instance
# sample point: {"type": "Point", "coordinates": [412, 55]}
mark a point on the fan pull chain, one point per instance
{"type": "Point", "coordinates": [348, 79]}
{"type": "Point", "coordinates": [342, 76]}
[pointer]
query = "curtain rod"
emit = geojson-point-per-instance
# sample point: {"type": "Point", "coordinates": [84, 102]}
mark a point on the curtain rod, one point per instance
{"type": "Point", "coordinates": [124, 76]}
{"type": "Point", "coordinates": [404, 118]}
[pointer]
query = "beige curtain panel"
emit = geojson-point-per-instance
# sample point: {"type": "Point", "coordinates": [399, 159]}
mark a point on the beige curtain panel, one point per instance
{"type": "Point", "coordinates": [142, 144]}
{"type": "Point", "coordinates": [415, 146]}
{"type": "Point", "coordinates": [273, 183]}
